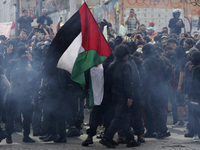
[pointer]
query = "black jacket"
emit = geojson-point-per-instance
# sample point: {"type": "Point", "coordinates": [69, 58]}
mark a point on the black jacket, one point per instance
{"type": "Point", "coordinates": [20, 76]}
{"type": "Point", "coordinates": [41, 20]}
{"type": "Point", "coordinates": [155, 73]}
{"type": "Point", "coordinates": [140, 67]}
{"type": "Point", "coordinates": [175, 28]}
{"type": "Point", "coordinates": [118, 79]}
{"type": "Point", "coordinates": [195, 85]}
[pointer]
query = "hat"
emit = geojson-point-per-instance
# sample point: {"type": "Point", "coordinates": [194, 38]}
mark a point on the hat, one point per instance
{"type": "Point", "coordinates": [165, 31]}
{"type": "Point", "coordinates": [24, 11]}
{"type": "Point", "coordinates": [164, 37]}
{"type": "Point", "coordinates": [192, 50]}
{"type": "Point", "coordinates": [151, 23]}
{"type": "Point", "coordinates": [21, 51]}
{"type": "Point", "coordinates": [151, 28]}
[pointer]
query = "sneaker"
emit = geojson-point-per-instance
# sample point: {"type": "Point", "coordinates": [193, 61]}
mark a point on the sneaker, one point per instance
{"type": "Point", "coordinates": [141, 139]}
{"type": "Point", "coordinates": [149, 135]}
{"type": "Point", "coordinates": [132, 143]}
{"type": "Point", "coordinates": [195, 138]}
{"type": "Point", "coordinates": [9, 139]}
{"type": "Point", "coordinates": [106, 143]}
{"type": "Point", "coordinates": [160, 135]}
{"type": "Point", "coordinates": [27, 139]}
{"type": "Point", "coordinates": [60, 140]}
{"type": "Point", "coordinates": [3, 135]}
{"type": "Point", "coordinates": [189, 135]}
{"type": "Point", "coordinates": [121, 140]}
{"type": "Point", "coordinates": [72, 132]}
{"type": "Point", "coordinates": [178, 124]}
{"type": "Point", "coordinates": [43, 137]}
{"type": "Point", "coordinates": [88, 141]}
{"type": "Point", "coordinates": [50, 138]}
{"type": "Point", "coordinates": [167, 134]}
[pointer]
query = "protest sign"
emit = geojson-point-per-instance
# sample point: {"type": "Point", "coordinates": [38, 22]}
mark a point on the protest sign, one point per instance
{"type": "Point", "coordinates": [5, 28]}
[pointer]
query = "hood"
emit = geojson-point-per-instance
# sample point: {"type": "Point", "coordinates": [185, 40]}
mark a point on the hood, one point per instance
{"type": "Point", "coordinates": [195, 58]}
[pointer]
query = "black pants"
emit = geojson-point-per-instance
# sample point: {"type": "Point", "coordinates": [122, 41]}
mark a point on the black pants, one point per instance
{"type": "Point", "coordinates": [154, 120]}
{"type": "Point", "coordinates": [54, 116]}
{"type": "Point", "coordinates": [190, 116]}
{"type": "Point", "coordinates": [37, 115]}
{"type": "Point", "coordinates": [196, 119]}
{"type": "Point", "coordinates": [15, 104]}
{"type": "Point", "coordinates": [174, 107]}
{"type": "Point", "coordinates": [135, 118]}
{"type": "Point", "coordinates": [101, 114]}
{"type": "Point", "coordinates": [121, 120]}
{"type": "Point", "coordinates": [96, 117]}
{"type": "Point", "coordinates": [74, 110]}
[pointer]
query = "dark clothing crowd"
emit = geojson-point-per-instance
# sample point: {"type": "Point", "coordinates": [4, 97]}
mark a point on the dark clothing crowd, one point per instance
{"type": "Point", "coordinates": [145, 72]}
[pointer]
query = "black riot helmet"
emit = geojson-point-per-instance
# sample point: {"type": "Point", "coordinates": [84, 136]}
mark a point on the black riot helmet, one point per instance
{"type": "Point", "coordinates": [176, 12]}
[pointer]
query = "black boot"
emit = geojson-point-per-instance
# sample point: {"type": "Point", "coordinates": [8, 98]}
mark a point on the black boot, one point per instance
{"type": "Point", "coordinates": [189, 135]}
{"type": "Point", "coordinates": [60, 139]}
{"type": "Point", "coordinates": [9, 139]}
{"type": "Point", "coordinates": [27, 139]}
{"type": "Point", "coordinates": [88, 141]}
{"type": "Point", "coordinates": [106, 143]}
{"type": "Point", "coordinates": [72, 132]}
{"type": "Point", "coordinates": [132, 143]}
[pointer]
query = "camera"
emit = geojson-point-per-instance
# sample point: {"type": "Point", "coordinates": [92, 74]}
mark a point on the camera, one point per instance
{"type": "Point", "coordinates": [138, 37]}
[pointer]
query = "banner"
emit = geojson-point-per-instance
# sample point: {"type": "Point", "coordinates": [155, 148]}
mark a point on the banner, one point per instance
{"type": "Point", "coordinates": [122, 30]}
{"type": "Point", "coordinates": [5, 28]}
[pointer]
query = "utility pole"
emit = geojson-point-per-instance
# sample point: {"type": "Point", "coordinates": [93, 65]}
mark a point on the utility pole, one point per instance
{"type": "Point", "coordinates": [72, 4]}
{"type": "Point", "coordinates": [39, 13]}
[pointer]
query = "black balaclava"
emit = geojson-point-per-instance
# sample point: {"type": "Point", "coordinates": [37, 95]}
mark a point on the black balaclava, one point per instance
{"type": "Point", "coordinates": [148, 49]}
{"type": "Point", "coordinates": [179, 52]}
{"type": "Point", "coordinates": [195, 58]}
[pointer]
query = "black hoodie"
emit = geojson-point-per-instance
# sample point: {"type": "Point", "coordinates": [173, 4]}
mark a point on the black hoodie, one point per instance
{"type": "Point", "coordinates": [175, 28]}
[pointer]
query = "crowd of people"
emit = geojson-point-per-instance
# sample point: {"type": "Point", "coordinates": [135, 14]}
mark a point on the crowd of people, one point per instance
{"type": "Point", "coordinates": [146, 70]}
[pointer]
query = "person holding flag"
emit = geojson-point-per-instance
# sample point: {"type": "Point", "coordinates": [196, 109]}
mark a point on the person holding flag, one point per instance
{"type": "Point", "coordinates": [78, 46]}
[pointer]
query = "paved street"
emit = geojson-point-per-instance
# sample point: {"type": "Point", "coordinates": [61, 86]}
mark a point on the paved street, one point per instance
{"type": "Point", "coordinates": [175, 142]}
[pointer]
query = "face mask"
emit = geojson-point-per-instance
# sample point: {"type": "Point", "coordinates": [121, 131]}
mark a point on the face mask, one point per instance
{"type": "Point", "coordinates": [168, 55]}
{"type": "Point", "coordinates": [194, 61]}
{"type": "Point", "coordinates": [186, 47]}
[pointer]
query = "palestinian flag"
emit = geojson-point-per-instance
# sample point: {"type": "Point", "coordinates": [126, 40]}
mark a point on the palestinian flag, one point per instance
{"type": "Point", "coordinates": [96, 85]}
{"type": "Point", "coordinates": [78, 46]}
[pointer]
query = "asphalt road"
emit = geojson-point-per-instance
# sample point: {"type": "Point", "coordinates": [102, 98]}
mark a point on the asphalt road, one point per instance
{"type": "Point", "coordinates": [175, 142]}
